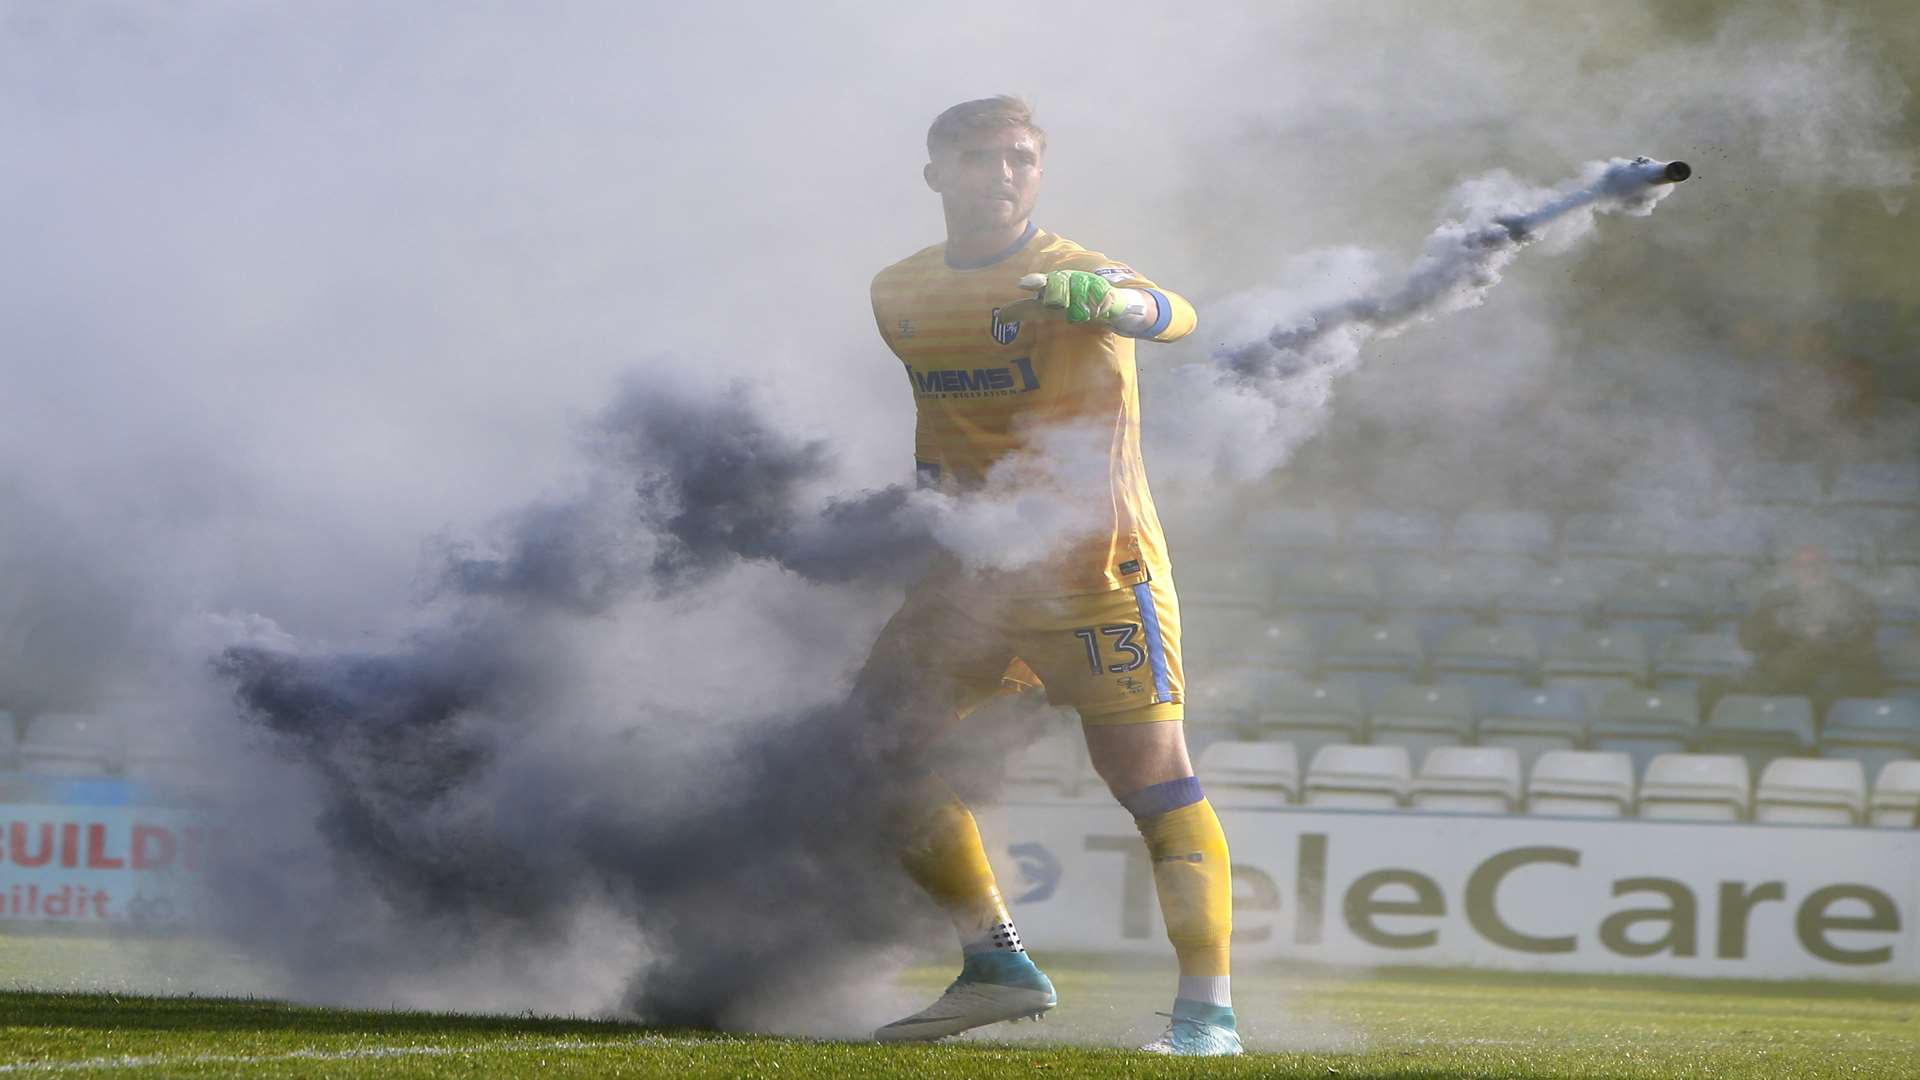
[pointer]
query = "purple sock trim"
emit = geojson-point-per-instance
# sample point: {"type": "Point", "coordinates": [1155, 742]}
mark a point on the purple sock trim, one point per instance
{"type": "Point", "coordinates": [1151, 802]}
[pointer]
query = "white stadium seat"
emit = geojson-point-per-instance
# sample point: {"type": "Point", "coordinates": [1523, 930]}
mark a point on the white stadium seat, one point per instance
{"type": "Point", "coordinates": [1250, 773]}
{"type": "Point", "coordinates": [1811, 791]}
{"type": "Point", "coordinates": [1581, 783]}
{"type": "Point", "coordinates": [1896, 795]}
{"type": "Point", "coordinates": [1468, 779]}
{"type": "Point", "coordinates": [1359, 777]}
{"type": "Point", "coordinates": [1696, 787]}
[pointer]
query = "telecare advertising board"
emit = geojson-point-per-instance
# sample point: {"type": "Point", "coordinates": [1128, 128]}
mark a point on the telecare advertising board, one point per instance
{"type": "Point", "coordinates": [1527, 893]}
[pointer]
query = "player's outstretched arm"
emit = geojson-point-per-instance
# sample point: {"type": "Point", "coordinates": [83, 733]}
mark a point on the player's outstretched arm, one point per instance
{"type": "Point", "coordinates": [1081, 296]}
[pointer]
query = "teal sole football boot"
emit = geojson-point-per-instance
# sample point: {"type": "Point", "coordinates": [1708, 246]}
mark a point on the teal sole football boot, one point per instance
{"type": "Point", "coordinates": [992, 987]}
{"type": "Point", "coordinates": [1198, 1030]}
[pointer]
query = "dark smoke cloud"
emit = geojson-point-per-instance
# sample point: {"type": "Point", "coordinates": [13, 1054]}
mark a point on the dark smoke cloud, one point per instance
{"type": "Point", "coordinates": [690, 485]}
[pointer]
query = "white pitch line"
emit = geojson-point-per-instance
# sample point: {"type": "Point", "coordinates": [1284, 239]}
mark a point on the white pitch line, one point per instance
{"type": "Point", "coordinates": [158, 1060]}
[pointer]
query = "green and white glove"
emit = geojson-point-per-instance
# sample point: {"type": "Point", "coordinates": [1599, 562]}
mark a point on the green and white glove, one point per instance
{"type": "Point", "coordinates": [1080, 296]}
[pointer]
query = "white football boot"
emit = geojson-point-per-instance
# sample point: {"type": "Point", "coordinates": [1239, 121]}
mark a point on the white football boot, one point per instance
{"type": "Point", "coordinates": [1198, 1030]}
{"type": "Point", "coordinates": [992, 987]}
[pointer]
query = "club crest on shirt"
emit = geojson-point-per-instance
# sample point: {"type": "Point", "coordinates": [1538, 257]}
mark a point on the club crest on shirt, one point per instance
{"type": "Point", "coordinates": [1004, 333]}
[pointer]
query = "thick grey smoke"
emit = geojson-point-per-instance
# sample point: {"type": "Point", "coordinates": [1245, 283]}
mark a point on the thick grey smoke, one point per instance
{"type": "Point", "coordinates": [302, 300]}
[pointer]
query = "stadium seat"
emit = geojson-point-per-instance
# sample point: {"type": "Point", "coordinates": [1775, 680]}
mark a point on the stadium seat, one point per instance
{"type": "Point", "coordinates": [1720, 547]}
{"type": "Point", "coordinates": [1534, 721]}
{"type": "Point", "coordinates": [1359, 777]}
{"type": "Point", "coordinates": [1293, 530]}
{"type": "Point", "coordinates": [1310, 715]}
{"type": "Point", "coordinates": [1240, 582]}
{"type": "Point", "coordinates": [1551, 601]}
{"type": "Point", "coordinates": [1232, 696]}
{"type": "Point", "coordinates": [71, 744]}
{"type": "Point", "coordinates": [1524, 533]}
{"type": "Point", "coordinates": [1877, 483]}
{"type": "Point", "coordinates": [1696, 787]}
{"type": "Point", "coordinates": [1896, 796]}
{"type": "Point", "coordinates": [1629, 539]}
{"type": "Point", "coordinates": [1331, 595]}
{"type": "Point", "coordinates": [1250, 773]}
{"type": "Point", "coordinates": [1901, 547]}
{"type": "Point", "coordinates": [1224, 637]}
{"type": "Point", "coordinates": [1432, 594]}
{"type": "Point", "coordinates": [1468, 779]}
{"type": "Point", "coordinates": [1375, 532]}
{"type": "Point", "coordinates": [1488, 660]}
{"type": "Point", "coordinates": [1422, 717]}
{"type": "Point", "coordinates": [1644, 724]}
{"type": "Point", "coordinates": [1372, 657]}
{"type": "Point", "coordinates": [9, 743]}
{"type": "Point", "coordinates": [1656, 606]}
{"type": "Point", "coordinates": [1811, 791]}
{"type": "Point", "coordinates": [1581, 783]}
{"type": "Point", "coordinates": [1700, 664]}
{"type": "Point", "coordinates": [1901, 658]}
{"type": "Point", "coordinates": [1896, 597]}
{"type": "Point", "coordinates": [1871, 731]}
{"type": "Point", "coordinates": [1595, 660]}
{"type": "Point", "coordinates": [1842, 541]}
{"type": "Point", "coordinates": [1759, 727]}
{"type": "Point", "coordinates": [1775, 483]}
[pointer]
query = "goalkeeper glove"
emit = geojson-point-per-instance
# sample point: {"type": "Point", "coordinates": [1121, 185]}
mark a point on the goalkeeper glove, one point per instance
{"type": "Point", "coordinates": [1081, 296]}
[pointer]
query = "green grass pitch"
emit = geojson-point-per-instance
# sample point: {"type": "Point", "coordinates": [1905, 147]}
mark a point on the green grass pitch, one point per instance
{"type": "Point", "coordinates": [1397, 1023]}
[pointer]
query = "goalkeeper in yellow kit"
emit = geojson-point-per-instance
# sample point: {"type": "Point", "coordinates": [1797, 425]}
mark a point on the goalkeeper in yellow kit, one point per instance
{"type": "Point", "coordinates": [1012, 336]}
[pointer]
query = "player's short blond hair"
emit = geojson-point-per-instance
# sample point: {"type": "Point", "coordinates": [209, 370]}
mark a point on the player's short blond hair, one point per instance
{"type": "Point", "coordinates": [1006, 110]}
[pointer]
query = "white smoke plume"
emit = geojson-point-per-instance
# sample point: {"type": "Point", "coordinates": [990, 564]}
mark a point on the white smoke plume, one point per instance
{"type": "Point", "coordinates": [1262, 398]}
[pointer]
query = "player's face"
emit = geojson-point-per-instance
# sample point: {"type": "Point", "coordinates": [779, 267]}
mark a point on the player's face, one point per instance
{"type": "Point", "coordinates": [988, 179]}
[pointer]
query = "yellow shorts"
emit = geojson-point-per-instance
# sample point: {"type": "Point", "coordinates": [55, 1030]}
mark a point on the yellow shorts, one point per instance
{"type": "Point", "coordinates": [1113, 656]}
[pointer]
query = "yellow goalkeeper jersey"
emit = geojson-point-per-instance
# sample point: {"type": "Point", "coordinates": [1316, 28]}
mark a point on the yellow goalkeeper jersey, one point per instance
{"type": "Point", "coordinates": [985, 389]}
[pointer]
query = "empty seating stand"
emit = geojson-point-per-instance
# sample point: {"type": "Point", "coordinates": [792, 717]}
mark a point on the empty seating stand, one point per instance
{"type": "Point", "coordinates": [1310, 715]}
{"type": "Point", "coordinates": [1381, 532]}
{"type": "Point", "coordinates": [1250, 773]}
{"type": "Point", "coordinates": [1491, 661]}
{"type": "Point", "coordinates": [1902, 662]}
{"type": "Point", "coordinates": [1811, 791]}
{"type": "Point", "coordinates": [1581, 783]}
{"type": "Point", "coordinates": [1872, 731]}
{"type": "Point", "coordinates": [1050, 767]}
{"type": "Point", "coordinates": [1293, 531]}
{"type": "Point", "coordinates": [1896, 796]}
{"type": "Point", "coordinates": [1551, 600]}
{"type": "Point", "coordinates": [1531, 722]}
{"type": "Point", "coordinates": [1644, 724]}
{"type": "Point", "coordinates": [1219, 636]}
{"type": "Point", "coordinates": [1894, 484]}
{"type": "Point", "coordinates": [71, 744]}
{"type": "Point", "coordinates": [1696, 787]}
{"type": "Point", "coordinates": [1422, 717]}
{"type": "Point", "coordinates": [1373, 656]}
{"type": "Point", "coordinates": [1701, 664]}
{"type": "Point", "coordinates": [1895, 591]}
{"type": "Point", "coordinates": [1759, 728]}
{"type": "Point", "coordinates": [1239, 582]}
{"type": "Point", "coordinates": [1330, 595]}
{"type": "Point", "coordinates": [1358, 777]}
{"type": "Point", "coordinates": [1596, 660]}
{"type": "Point", "coordinates": [1656, 606]}
{"type": "Point", "coordinates": [1523, 533]}
{"type": "Point", "coordinates": [1468, 779]}
{"type": "Point", "coordinates": [1435, 595]}
{"type": "Point", "coordinates": [1775, 483]}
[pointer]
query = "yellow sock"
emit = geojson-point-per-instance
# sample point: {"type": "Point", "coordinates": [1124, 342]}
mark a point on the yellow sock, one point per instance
{"type": "Point", "coordinates": [1193, 878]}
{"type": "Point", "coordinates": [946, 858]}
